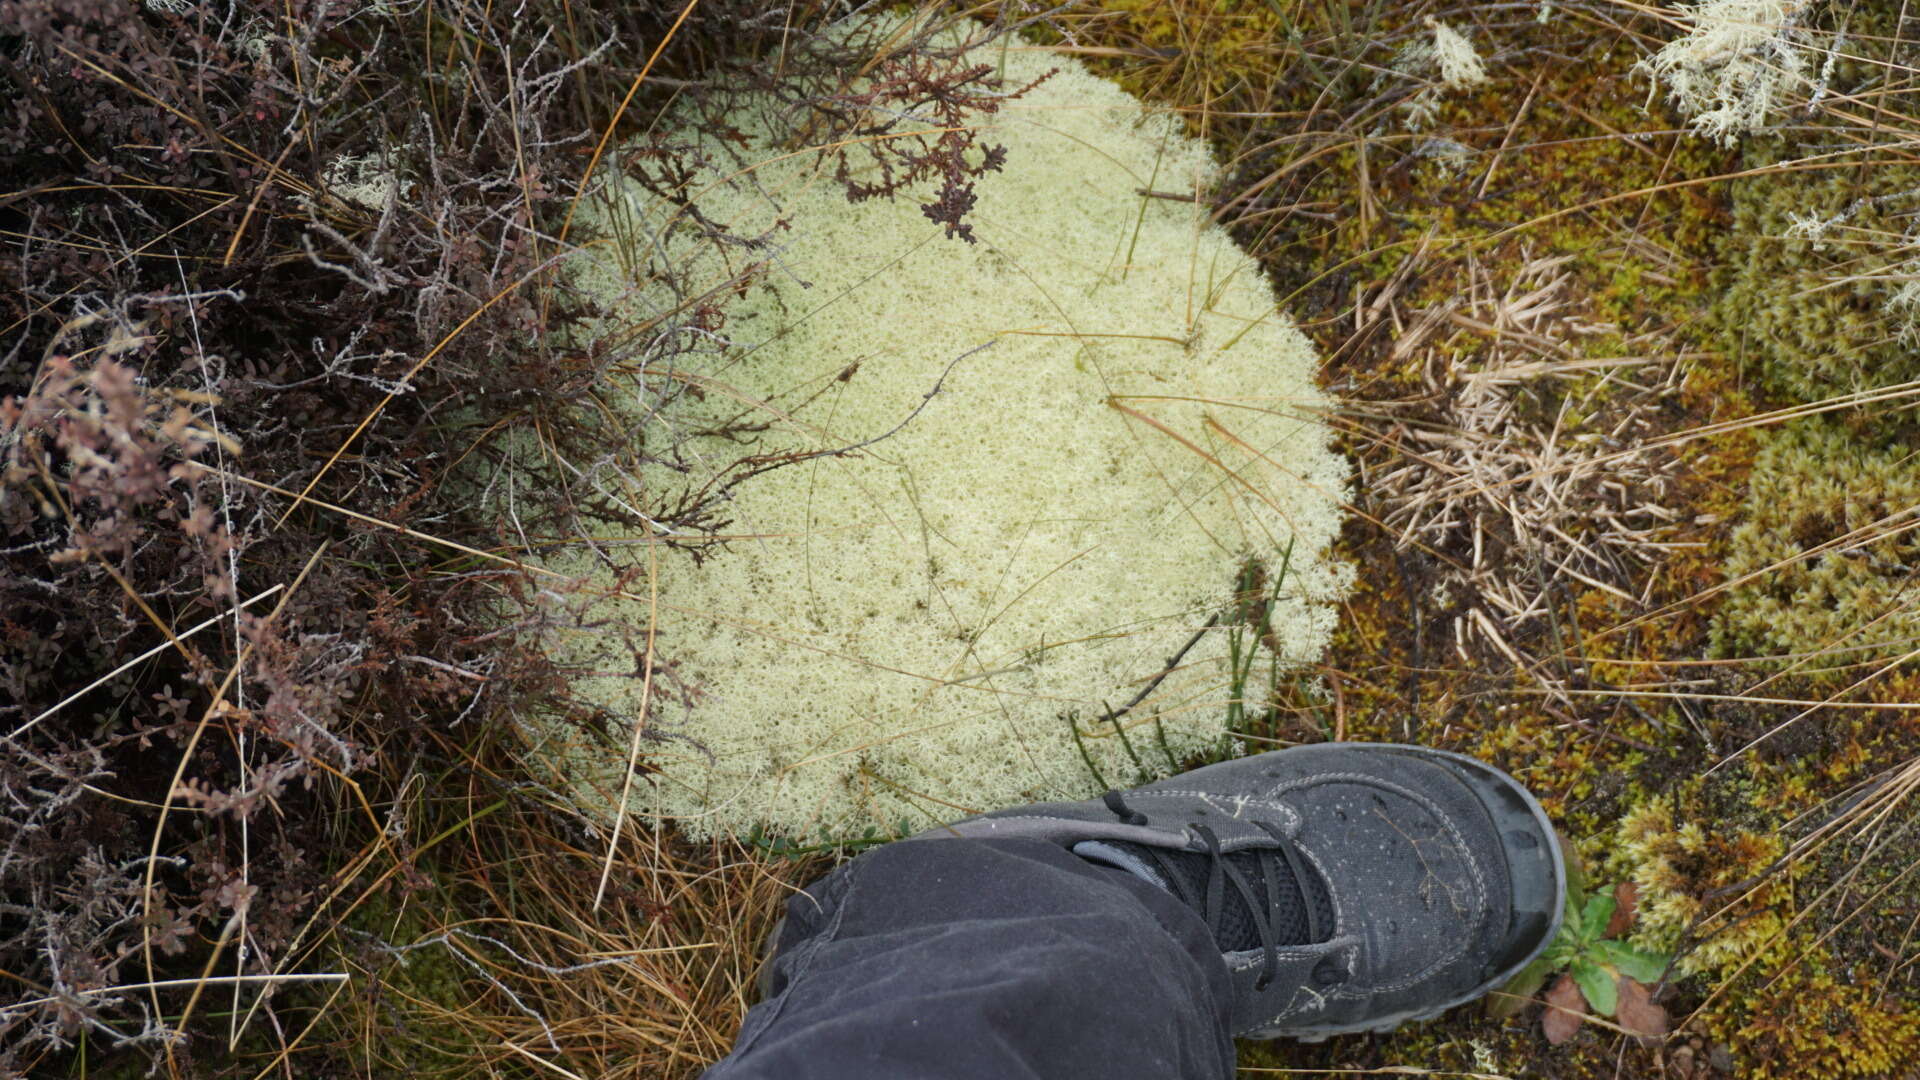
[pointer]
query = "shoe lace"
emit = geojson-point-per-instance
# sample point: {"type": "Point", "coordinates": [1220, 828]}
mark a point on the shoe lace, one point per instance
{"type": "Point", "coordinates": [1211, 901]}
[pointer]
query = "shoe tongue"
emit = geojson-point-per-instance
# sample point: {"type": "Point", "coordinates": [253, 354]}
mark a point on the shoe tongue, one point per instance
{"type": "Point", "coordinates": [1185, 874]}
{"type": "Point", "coordinates": [1122, 855]}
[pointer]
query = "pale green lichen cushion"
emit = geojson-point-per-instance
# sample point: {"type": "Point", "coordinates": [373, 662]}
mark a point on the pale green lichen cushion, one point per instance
{"type": "Point", "coordinates": [906, 631]}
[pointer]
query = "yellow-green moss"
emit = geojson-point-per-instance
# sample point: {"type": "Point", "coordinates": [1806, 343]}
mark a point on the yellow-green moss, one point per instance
{"type": "Point", "coordinates": [1814, 482]}
{"type": "Point", "coordinates": [1808, 270]}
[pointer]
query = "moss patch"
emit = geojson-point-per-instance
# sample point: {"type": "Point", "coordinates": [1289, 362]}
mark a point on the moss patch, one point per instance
{"type": "Point", "coordinates": [1818, 487]}
{"type": "Point", "coordinates": [1809, 272]}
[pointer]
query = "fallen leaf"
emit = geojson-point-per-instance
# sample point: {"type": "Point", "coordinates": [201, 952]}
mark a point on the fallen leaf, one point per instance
{"type": "Point", "coordinates": [1626, 896]}
{"type": "Point", "coordinates": [1565, 1011]}
{"type": "Point", "coordinates": [1637, 1013]}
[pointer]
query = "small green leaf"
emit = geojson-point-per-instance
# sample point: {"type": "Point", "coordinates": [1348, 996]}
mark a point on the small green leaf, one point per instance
{"type": "Point", "coordinates": [1519, 991]}
{"type": "Point", "coordinates": [1597, 984]}
{"type": "Point", "coordinates": [1563, 949]}
{"type": "Point", "coordinates": [1593, 920]}
{"type": "Point", "coordinates": [1631, 962]}
{"type": "Point", "coordinates": [1576, 874]}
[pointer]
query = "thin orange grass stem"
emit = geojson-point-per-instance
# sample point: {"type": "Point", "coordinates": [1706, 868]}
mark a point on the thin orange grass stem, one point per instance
{"type": "Point", "coordinates": [213, 957]}
{"type": "Point", "coordinates": [1900, 789]}
{"type": "Point", "coordinates": [1811, 164]}
{"type": "Point", "coordinates": [639, 724]}
{"type": "Point", "coordinates": [1351, 508]}
{"type": "Point", "coordinates": [1831, 647]}
{"type": "Point", "coordinates": [237, 147]}
{"type": "Point", "coordinates": [1832, 699]}
{"type": "Point", "coordinates": [1747, 699]}
{"type": "Point", "coordinates": [538, 1060]}
{"type": "Point", "coordinates": [600, 149]}
{"type": "Point", "coordinates": [1841, 541]}
{"type": "Point", "coordinates": [346, 878]}
{"type": "Point", "coordinates": [288, 1049]}
{"type": "Point", "coordinates": [260, 192]}
{"type": "Point", "coordinates": [1114, 402]}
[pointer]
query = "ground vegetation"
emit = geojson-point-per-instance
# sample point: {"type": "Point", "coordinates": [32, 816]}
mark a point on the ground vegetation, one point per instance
{"type": "Point", "coordinates": [1623, 390]}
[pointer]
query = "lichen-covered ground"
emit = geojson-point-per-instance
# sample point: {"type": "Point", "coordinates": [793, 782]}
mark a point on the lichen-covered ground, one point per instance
{"type": "Point", "coordinates": [1636, 512]}
{"type": "Point", "coordinates": [1577, 346]}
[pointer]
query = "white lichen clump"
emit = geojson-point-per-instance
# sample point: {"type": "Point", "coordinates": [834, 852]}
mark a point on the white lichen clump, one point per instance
{"type": "Point", "coordinates": [1738, 58]}
{"type": "Point", "coordinates": [1113, 419]}
{"type": "Point", "coordinates": [1445, 54]}
{"type": "Point", "coordinates": [370, 181]}
{"type": "Point", "coordinates": [1460, 66]}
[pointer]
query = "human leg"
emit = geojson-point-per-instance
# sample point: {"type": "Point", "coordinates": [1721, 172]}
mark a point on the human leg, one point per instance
{"type": "Point", "coordinates": [997, 958]}
{"type": "Point", "coordinates": [1343, 887]}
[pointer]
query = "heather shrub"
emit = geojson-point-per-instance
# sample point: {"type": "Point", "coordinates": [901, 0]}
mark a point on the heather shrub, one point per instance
{"type": "Point", "coordinates": [974, 474]}
{"type": "Point", "coordinates": [213, 701]}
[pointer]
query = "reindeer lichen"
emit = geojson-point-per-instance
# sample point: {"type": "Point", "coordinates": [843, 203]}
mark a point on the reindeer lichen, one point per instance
{"type": "Point", "coordinates": [967, 500]}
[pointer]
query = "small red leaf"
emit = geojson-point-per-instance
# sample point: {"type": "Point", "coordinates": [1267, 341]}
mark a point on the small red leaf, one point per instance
{"type": "Point", "coordinates": [1626, 896]}
{"type": "Point", "coordinates": [1565, 1011]}
{"type": "Point", "coordinates": [1637, 1012]}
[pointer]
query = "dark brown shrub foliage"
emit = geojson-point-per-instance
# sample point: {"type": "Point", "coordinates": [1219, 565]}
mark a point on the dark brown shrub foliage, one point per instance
{"type": "Point", "coordinates": [203, 312]}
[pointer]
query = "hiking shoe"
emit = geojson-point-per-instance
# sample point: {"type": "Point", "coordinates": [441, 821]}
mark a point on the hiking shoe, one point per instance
{"type": "Point", "coordinates": [1351, 886]}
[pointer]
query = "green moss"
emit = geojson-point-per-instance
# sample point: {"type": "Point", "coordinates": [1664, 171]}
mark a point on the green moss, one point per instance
{"type": "Point", "coordinates": [1787, 997]}
{"type": "Point", "coordinates": [1814, 482]}
{"type": "Point", "coordinates": [1807, 273]}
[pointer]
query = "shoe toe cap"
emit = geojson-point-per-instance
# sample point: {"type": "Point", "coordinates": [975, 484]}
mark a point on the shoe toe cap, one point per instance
{"type": "Point", "coordinates": [1536, 870]}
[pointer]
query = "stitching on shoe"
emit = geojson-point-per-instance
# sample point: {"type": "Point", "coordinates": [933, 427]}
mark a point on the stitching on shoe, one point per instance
{"type": "Point", "coordinates": [1284, 954]}
{"type": "Point", "coordinates": [1454, 836]}
{"type": "Point", "coordinates": [1316, 997]}
{"type": "Point", "coordinates": [1239, 803]}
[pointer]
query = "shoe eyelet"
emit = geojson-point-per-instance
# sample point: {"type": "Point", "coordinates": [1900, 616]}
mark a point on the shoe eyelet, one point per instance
{"type": "Point", "coordinates": [1328, 972]}
{"type": "Point", "coordinates": [1265, 980]}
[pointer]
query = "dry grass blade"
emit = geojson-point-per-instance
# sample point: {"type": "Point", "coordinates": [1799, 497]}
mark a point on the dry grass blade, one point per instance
{"type": "Point", "coordinates": [639, 725]}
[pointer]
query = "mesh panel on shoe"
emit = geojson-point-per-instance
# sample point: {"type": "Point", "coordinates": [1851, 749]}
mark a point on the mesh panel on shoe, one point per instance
{"type": "Point", "coordinates": [1188, 872]}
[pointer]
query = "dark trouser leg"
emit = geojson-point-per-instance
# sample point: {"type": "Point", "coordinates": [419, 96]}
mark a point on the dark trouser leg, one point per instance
{"type": "Point", "coordinates": [1002, 959]}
